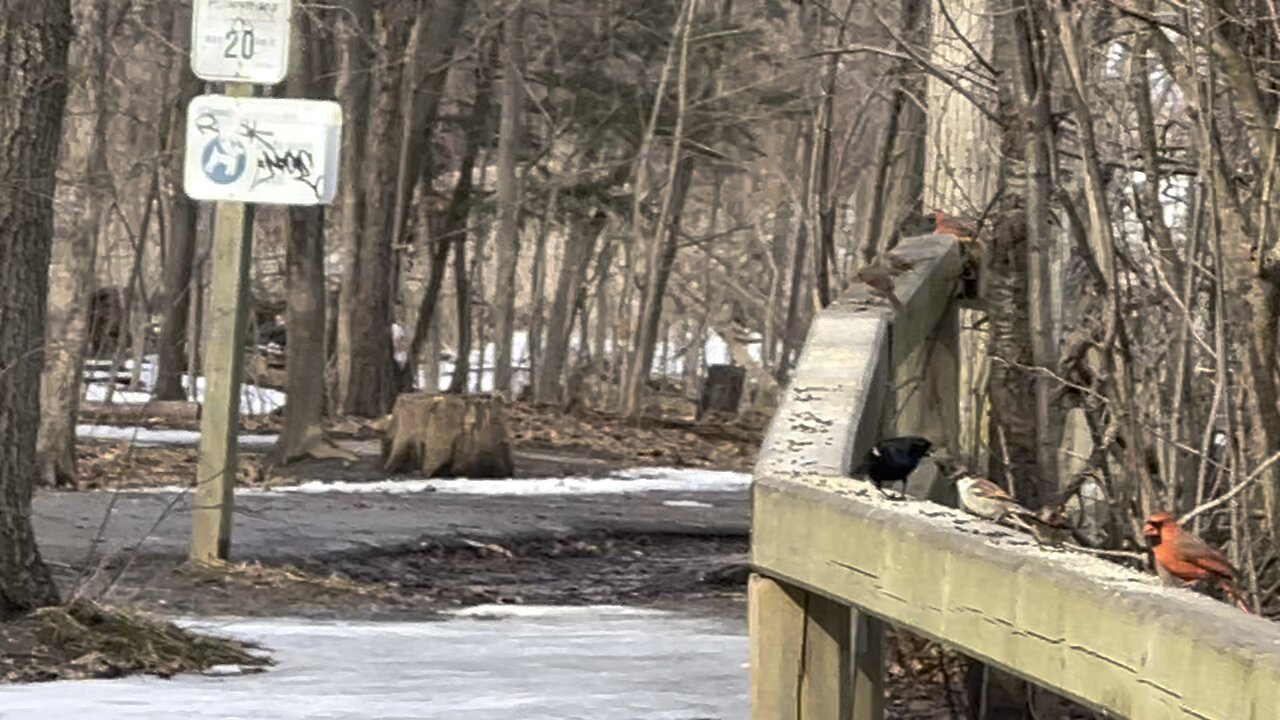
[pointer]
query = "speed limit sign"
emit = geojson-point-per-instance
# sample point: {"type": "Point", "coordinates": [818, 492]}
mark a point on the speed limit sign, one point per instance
{"type": "Point", "coordinates": [241, 40]}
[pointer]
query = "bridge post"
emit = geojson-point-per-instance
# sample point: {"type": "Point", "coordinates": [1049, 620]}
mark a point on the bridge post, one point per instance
{"type": "Point", "coordinates": [801, 655]}
{"type": "Point", "coordinates": [864, 372]}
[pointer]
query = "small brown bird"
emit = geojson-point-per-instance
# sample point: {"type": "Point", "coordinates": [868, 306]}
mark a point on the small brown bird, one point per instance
{"type": "Point", "coordinates": [981, 497]}
{"type": "Point", "coordinates": [880, 280]}
{"type": "Point", "coordinates": [985, 499]}
{"type": "Point", "coordinates": [1181, 555]}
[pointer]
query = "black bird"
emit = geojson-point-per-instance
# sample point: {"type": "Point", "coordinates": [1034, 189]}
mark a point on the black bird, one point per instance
{"type": "Point", "coordinates": [893, 459]}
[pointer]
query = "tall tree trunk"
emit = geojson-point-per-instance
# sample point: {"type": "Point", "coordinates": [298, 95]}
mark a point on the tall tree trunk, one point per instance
{"type": "Point", "coordinates": [826, 247]}
{"type": "Point", "coordinates": [603, 265]}
{"type": "Point", "coordinates": [367, 379]}
{"type": "Point", "coordinates": [1035, 88]}
{"type": "Point", "coordinates": [579, 246]}
{"type": "Point", "coordinates": [481, 314]}
{"type": "Point", "coordinates": [537, 321]}
{"type": "Point", "coordinates": [304, 262]}
{"type": "Point", "coordinates": [430, 49]}
{"type": "Point", "coordinates": [1123, 403]}
{"type": "Point", "coordinates": [660, 263]}
{"type": "Point", "coordinates": [72, 280]}
{"type": "Point", "coordinates": [355, 65]}
{"type": "Point", "coordinates": [450, 231]}
{"type": "Point", "coordinates": [793, 334]}
{"type": "Point", "coordinates": [1013, 422]}
{"type": "Point", "coordinates": [508, 240]}
{"type": "Point", "coordinates": [477, 134]}
{"type": "Point", "coordinates": [662, 246]}
{"type": "Point", "coordinates": [901, 194]}
{"type": "Point", "coordinates": [460, 383]}
{"type": "Point", "coordinates": [178, 282]}
{"type": "Point", "coordinates": [435, 34]}
{"type": "Point", "coordinates": [35, 36]}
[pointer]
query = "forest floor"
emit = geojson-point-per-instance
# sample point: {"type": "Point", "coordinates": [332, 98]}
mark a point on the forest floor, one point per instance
{"type": "Point", "coordinates": [412, 555]}
{"type": "Point", "coordinates": [547, 443]}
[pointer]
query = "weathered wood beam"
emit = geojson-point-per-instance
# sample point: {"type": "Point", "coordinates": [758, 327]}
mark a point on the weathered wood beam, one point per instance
{"type": "Point", "coordinates": [801, 654]}
{"type": "Point", "coordinates": [1106, 636]}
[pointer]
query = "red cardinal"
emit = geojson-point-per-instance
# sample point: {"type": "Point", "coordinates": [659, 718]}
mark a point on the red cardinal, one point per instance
{"type": "Point", "coordinates": [1182, 555]}
{"type": "Point", "coordinates": [880, 280]}
{"type": "Point", "coordinates": [944, 224]}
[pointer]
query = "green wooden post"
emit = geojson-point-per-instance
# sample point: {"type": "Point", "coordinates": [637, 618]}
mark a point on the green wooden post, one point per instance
{"type": "Point", "coordinates": [224, 368]}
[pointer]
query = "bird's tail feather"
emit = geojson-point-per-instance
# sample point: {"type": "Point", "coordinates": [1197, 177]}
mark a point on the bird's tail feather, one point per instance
{"type": "Point", "coordinates": [1234, 595]}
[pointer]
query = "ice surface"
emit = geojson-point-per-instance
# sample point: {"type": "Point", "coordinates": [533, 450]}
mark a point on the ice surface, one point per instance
{"type": "Point", "coordinates": [570, 663]}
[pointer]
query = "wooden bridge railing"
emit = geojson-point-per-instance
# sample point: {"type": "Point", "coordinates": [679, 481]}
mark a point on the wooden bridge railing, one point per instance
{"type": "Point", "coordinates": [835, 561]}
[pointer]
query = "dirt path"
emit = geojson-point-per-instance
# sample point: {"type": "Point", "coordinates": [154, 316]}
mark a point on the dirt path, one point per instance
{"type": "Point", "coordinates": [375, 554]}
{"type": "Point", "coordinates": [294, 527]}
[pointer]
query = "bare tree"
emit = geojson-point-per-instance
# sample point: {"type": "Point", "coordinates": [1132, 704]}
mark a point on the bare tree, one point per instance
{"type": "Point", "coordinates": [72, 281]}
{"type": "Point", "coordinates": [305, 322]}
{"type": "Point", "coordinates": [508, 239]}
{"type": "Point", "coordinates": [179, 284]}
{"type": "Point", "coordinates": [33, 77]}
{"type": "Point", "coordinates": [661, 247]}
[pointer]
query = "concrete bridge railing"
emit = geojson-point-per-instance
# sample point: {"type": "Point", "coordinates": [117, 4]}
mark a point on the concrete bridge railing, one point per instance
{"type": "Point", "coordinates": [834, 561]}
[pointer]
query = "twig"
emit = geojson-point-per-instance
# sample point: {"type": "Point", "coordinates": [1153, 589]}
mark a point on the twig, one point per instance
{"type": "Point", "coordinates": [1233, 492]}
{"type": "Point", "coordinates": [942, 75]}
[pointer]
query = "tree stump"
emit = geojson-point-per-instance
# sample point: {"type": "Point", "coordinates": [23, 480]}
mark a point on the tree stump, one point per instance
{"type": "Point", "coordinates": [722, 390]}
{"type": "Point", "coordinates": [448, 436]}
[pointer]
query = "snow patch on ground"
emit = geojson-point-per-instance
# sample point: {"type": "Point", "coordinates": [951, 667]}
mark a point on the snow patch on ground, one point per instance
{"type": "Point", "coordinates": [254, 400]}
{"type": "Point", "coordinates": [618, 483]}
{"type": "Point", "coordinates": [148, 437]}
{"type": "Point", "coordinates": [568, 663]}
{"type": "Point", "coordinates": [625, 481]}
{"type": "Point", "coordinates": [686, 504]}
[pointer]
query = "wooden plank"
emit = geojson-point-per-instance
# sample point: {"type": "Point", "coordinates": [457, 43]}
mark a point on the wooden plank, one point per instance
{"type": "Point", "coordinates": [868, 667]}
{"type": "Point", "coordinates": [826, 691]}
{"type": "Point", "coordinates": [801, 654]}
{"type": "Point", "coordinates": [776, 623]}
{"type": "Point", "coordinates": [218, 459]}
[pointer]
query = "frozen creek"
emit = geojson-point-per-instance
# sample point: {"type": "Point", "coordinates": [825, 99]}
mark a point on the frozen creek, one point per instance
{"type": "Point", "coordinates": [488, 663]}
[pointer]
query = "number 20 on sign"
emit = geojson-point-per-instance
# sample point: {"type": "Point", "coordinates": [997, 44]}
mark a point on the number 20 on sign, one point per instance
{"type": "Point", "coordinates": [241, 40]}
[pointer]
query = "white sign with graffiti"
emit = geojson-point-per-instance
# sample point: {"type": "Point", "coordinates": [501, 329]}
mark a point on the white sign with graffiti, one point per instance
{"type": "Point", "coordinates": [241, 40]}
{"type": "Point", "coordinates": [262, 150]}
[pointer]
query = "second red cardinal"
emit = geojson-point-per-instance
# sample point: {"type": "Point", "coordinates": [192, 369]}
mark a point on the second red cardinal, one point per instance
{"type": "Point", "coordinates": [944, 224]}
{"type": "Point", "coordinates": [1184, 556]}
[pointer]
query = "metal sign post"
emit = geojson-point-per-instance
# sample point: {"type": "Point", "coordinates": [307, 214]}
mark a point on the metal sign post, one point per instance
{"type": "Point", "coordinates": [242, 151]}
